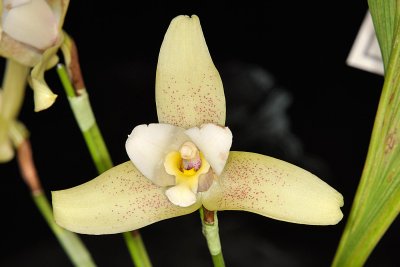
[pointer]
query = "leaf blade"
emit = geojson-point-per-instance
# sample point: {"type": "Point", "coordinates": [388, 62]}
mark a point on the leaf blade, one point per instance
{"type": "Point", "coordinates": [377, 200]}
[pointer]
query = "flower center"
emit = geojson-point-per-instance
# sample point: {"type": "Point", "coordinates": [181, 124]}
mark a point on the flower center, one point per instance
{"type": "Point", "coordinates": [191, 160]}
{"type": "Point", "coordinates": [186, 164]}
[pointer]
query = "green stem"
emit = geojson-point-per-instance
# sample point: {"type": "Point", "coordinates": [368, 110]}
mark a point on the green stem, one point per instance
{"type": "Point", "coordinates": [209, 221]}
{"type": "Point", "coordinates": [218, 260]}
{"type": "Point", "coordinates": [83, 113]}
{"type": "Point", "coordinates": [138, 251]}
{"type": "Point", "coordinates": [97, 148]}
{"type": "Point", "coordinates": [70, 242]}
{"type": "Point", "coordinates": [14, 84]}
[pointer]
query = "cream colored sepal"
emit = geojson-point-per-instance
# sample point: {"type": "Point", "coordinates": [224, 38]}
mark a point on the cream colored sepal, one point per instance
{"type": "Point", "coordinates": [189, 90]}
{"type": "Point", "coordinates": [275, 189]}
{"type": "Point", "coordinates": [119, 200]}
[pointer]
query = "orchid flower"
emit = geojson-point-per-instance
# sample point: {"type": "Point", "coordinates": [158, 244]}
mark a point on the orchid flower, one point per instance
{"type": "Point", "coordinates": [183, 162]}
{"type": "Point", "coordinates": [12, 132]}
{"type": "Point", "coordinates": [31, 34]}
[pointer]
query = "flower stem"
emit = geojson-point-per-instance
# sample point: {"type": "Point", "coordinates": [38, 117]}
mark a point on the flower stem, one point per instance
{"type": "Point", "coordinates": [70, 242]}
{"type": "Point", "coordinates": [136, 246]}
{"type": "Point", "coordinates": [209, 222]}
{"type": "Point", "coordinates": [83, 113]}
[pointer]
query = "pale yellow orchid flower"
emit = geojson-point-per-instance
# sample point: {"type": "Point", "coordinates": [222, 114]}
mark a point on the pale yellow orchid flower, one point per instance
{"type": "Point", "coordinates": [11, 97]}
{"type": "Point", "coordinates": [184, 162]}
{"type": "Point", "coordinates": [31, 33]}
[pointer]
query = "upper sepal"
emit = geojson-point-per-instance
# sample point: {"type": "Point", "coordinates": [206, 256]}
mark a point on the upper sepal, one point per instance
{"type": "Point", "coordinates": [189, 90]}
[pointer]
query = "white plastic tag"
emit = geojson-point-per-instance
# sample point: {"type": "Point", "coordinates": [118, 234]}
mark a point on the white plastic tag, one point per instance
{"type": "Point", "coordinates": [365, 53]}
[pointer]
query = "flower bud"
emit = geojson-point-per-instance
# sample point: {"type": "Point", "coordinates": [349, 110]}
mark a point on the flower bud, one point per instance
{"type": "Point", "coordinates": [30, 22]}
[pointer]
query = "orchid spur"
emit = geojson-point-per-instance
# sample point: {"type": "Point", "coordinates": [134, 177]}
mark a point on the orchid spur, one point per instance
{"type": "Point", "coordinates": [184, 161]}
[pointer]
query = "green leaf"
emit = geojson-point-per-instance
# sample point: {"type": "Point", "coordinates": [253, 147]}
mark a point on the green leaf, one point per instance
{"type": "Point", "coordinates": [70, 242]}
{"type": "Point", "coordinates": [377, 201]}
{"type": "Point", "coordinates": [385, 17]}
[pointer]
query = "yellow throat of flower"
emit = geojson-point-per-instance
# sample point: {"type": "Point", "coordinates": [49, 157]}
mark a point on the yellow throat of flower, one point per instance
{"type": "Point", "coordinates": [186, 165]}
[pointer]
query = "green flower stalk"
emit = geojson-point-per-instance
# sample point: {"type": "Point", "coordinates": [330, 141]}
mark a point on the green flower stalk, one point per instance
{"type": "Point", "coordinates": [184, 162]}
{"type": "Point", "coordinates": [30, 37]}
{"type": "Point", "coordinates": [70, 242]}
{"type": "Point", "coordinates": [209, 222]}
{"type": "Point", "coordinates": [81, 107]}
{"type": "Point", "coordinates": [31, 34]}
{"type": "Point", "coordinates": [14, 135]}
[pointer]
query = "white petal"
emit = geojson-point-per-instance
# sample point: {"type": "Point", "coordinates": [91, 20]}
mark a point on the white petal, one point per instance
{"type": "Point", "coordinates": [181, 195]}
{"type": "Point", "coordinates": [214, 141]}
{"type": "Point", "coordinates": [33, 23]}
{"type": "Point", "coordinates": [147, 147]}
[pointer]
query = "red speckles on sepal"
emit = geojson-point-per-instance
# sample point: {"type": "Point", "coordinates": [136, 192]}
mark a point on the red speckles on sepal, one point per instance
{"type": "Point", "coordinates": [274, 188]}
{"type": "Point", "coordinates": [189, 90]}
{"type": "Point", "coordinates": [119, 200]}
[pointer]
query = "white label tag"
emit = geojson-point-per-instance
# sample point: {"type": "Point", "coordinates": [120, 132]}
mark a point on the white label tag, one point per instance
{"type": "Point", "coordinates": [365, 53]}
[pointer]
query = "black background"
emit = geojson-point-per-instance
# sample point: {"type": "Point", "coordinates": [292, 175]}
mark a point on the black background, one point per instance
{"type": "Point", "coordinates": [325, 123]}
